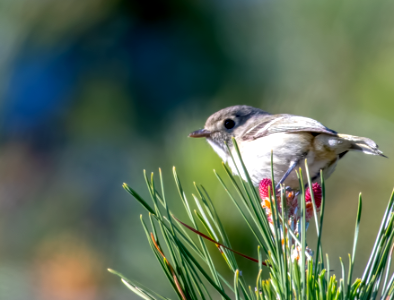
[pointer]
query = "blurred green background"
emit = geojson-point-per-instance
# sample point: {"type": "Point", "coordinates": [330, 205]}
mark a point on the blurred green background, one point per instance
{"type": "Point", "coordinates": [92, 92]}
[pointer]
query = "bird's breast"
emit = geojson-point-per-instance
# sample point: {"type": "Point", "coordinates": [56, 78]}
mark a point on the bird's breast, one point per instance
{"type": "Point", "coordinates": [286, 148]}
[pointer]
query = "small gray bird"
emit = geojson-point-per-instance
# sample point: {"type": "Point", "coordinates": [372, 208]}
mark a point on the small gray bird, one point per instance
{"type": "Point", "coordinates": [291, 138]}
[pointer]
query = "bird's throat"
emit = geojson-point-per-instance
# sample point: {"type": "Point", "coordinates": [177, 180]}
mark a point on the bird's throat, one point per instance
{"type": "Point", "coordinates": [219, 150]}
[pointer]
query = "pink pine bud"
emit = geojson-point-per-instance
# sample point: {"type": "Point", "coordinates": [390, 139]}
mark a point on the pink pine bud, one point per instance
{"type": "Point", "coordinates": [263, 187]}
{"type": "Point", "coordinates": [316, 192]}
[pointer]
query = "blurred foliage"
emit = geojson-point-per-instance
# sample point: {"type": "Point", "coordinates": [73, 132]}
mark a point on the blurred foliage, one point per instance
{"type": "Point", "coordinates": [91, 93]}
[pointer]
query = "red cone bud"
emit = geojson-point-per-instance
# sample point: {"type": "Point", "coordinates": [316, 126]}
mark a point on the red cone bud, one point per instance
{"type": "Point", "coordinates": [263, 188]}
{"type": "Point", "coordinates": [316, 192]}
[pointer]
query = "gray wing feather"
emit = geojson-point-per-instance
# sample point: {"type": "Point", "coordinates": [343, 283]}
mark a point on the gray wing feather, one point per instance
{"type": "Point", "coordinates": [285, 123]}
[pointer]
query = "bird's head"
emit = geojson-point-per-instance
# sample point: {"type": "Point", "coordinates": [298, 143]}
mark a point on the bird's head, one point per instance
{"type": "Point", "coordinates": [227, 123]}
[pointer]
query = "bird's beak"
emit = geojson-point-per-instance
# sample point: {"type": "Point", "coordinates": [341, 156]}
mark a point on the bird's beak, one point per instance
{"type": "Point", "coordinates": [200, 133]}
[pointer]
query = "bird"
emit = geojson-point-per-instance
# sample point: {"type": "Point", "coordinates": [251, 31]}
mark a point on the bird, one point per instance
{"type": "Point", "coordinates": [290, 138]}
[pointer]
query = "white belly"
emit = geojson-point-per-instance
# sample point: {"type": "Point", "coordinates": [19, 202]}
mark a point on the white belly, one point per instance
{"type": "Point", "coordinates": [286, 148]}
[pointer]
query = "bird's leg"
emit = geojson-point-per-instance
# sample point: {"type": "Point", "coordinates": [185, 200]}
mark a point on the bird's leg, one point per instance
{"type": "Point", "coordinates": [291, 168]}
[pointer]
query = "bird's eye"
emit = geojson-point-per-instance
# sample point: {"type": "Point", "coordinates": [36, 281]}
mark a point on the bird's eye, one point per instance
{"type": "Point", "coordinates": [228, 123]}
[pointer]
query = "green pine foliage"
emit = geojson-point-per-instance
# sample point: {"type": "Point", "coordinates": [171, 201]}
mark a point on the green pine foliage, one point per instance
{"type": "Point", "coordinates": [190, 268]}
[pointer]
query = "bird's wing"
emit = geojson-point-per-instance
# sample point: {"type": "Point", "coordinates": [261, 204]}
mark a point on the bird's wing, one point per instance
{"type": "Point", "coordinates": [285, 123]}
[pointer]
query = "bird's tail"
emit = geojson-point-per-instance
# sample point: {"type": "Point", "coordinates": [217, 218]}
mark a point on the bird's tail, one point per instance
{"type": "Point", "coordinates": [363, 144]}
